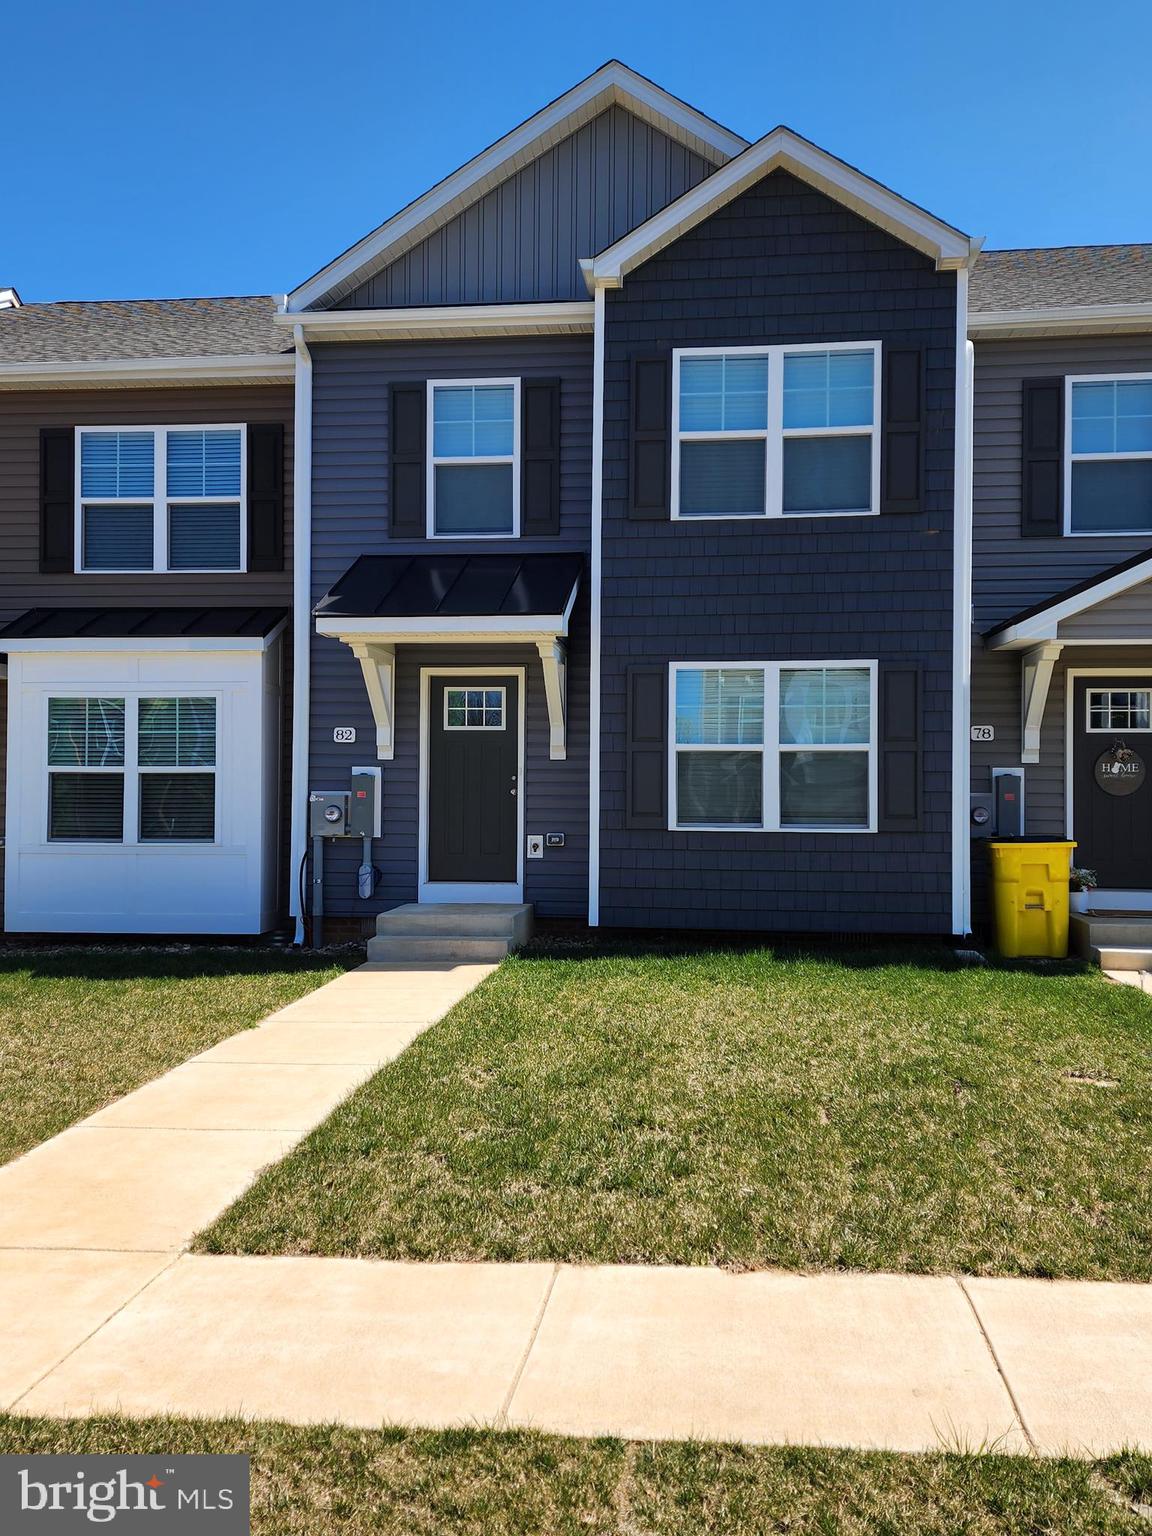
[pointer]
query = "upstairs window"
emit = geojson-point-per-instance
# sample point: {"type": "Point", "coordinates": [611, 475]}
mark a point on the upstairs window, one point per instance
{"type": "Point", "coordinates": [160, 499]}
{"type": "Point", "coordinates": [776, 431]}
{"type": "Point", "coordinates": [474, 466]}
{"type": "Point", "coordinates": [1109, 469]}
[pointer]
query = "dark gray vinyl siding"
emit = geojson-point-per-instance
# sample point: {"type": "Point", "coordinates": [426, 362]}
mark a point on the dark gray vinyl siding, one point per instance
{"type": "Point", "coordinates": [1011, 573]}
{"type": "Point", "coordinates": [523, 240]}
{"type": "Point", "coordinates": [350, 518]}
{"type": "Point", "coordinates": [781, 263]}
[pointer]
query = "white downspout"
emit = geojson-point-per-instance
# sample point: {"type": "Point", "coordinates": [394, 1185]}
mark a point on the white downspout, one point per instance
{"type": "Point", "coordinates": [594, 617]}
{"type": "Point", "coordinates": [301, 616]}
{"type": "Point", "coordinates": [962, 618]}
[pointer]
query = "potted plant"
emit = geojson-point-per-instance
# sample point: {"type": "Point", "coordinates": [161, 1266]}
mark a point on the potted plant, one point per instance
{"type": "Point", "coordinates": [1081, 884]}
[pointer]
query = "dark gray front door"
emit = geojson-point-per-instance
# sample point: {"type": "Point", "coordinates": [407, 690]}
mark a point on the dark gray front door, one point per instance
{"type": "Point", "coordinates": [1112, 779]}
{"type": "Point", "coordinates": [473, 761]}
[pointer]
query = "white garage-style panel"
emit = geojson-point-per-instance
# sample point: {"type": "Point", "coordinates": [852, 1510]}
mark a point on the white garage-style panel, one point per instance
{"type": "Point", "coordinates": [143, 785]}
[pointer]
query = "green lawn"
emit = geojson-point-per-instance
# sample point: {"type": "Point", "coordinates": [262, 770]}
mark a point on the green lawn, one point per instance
{"type": "Point", "coordinates": [79, 1027]}
{"type": "Point", "coordinates": [812, 1109]}
{"type": "Point", "coordinates": [482, 1483]}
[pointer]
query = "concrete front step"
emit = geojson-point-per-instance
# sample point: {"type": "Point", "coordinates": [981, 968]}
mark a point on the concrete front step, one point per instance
{"type": "Point", "coordinates": [457, 948]}
{"type": "Point", "coordinates": [451, 931]}
{"type": "Point", "coordinates": [1118, 957]}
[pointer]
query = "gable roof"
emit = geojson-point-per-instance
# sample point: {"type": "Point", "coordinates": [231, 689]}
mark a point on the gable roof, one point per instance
{"type": "Point", "coordinates": [614, 84]}
{"type": "Point", "coordinates": [782, 149]}
{"type": "Point", "coordinates": [139, 328]}
{"type": "Point", "coordinates": [1041, 621]}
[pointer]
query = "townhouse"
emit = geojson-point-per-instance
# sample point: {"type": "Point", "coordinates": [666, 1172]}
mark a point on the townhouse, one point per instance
{"type": "Point", "coordinates": [643, 482]}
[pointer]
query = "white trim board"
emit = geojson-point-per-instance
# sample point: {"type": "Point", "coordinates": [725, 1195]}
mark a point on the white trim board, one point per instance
{"type": "Point", "coordinates": [782, 150]}
{"type": "Point", "coordinates": [569, 317]}
{"type": "Point", "coordinates": [1060, 320]}
{"type": "Point", "coordinates": [265, 368]}
{"type": "Point", "coordinates": [614, 84]}
{"type": "Point", "coordinates": [439, 891]}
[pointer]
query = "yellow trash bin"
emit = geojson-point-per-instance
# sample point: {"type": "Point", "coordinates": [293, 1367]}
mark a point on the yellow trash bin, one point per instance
{"type": "Point", "coordinates": [1030, 897]}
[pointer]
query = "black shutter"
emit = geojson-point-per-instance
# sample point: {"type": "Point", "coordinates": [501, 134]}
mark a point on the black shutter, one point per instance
{"type": "Point", "coordinates": [57, 499]}
{"type": "Point", "coordinates": [901, 442]}
{"type": "Point", "coordinates": [646, 788]}
{"type": "Point", "coordinates": [1042, 461]}
{"type": "Point", "coordinates": [540, 458]}
{"type": "Point", "coordinates": [900, 749]}
{"type": "Point", "coordinates": [265, 496]}
{"type": "Point", "coordinates": [651, 429]}
{"type": "Point", "coordinates": [408, 517]}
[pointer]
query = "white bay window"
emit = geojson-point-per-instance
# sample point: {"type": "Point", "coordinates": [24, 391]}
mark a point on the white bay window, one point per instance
{"type": "Point", "coordinates": [780, 431]}
{"type": "Point", "coordinates": [126, 770]}
{"type": "Point", "coordinates": [768, 746]}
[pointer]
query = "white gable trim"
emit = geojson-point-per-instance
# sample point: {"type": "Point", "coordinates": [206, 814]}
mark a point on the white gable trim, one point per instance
{"type": "Point", "coordinates": [1045, 624]}
{"type": "Point", "coordinates": [782, 150]}
{"type": "Point", "coordinates": [613, 85]}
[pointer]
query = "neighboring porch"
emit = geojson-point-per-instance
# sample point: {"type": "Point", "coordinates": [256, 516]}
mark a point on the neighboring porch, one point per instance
{"type": "Point", "coordinates": [1077, 673]}
{"type": "Point", "coordinates": [466, 667]}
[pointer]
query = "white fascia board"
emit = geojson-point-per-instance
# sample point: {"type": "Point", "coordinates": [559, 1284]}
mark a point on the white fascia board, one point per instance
{"type": "Point", "coordinates": [528, 629]}
{"type": "Point", "coordinates": [1064, 320]}
{"type": "Point", "coordinates": [569, 317]}
{"type": "Point", "coordinates": [258, 368]}
{"type": "Point", "coordinates": [85, 645]}
{"type": "Point", "coordinates": [783, 150]}
{"type": "Point", "coordinates": [1045, 624]}
{"type": "Point", "coordinates": [613, 85]}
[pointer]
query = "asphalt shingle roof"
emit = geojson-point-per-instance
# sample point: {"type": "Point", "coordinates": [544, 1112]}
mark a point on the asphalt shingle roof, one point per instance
{"type": "Point", "coordinates": [140, 328]}
{"type": "Point", "coordinates": [1051, 277]}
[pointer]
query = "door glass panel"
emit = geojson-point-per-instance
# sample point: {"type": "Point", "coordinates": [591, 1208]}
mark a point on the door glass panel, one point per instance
{"type": "Point", "coordinates": [474, 709]}
{"type": "Point", "coordinates": [1120, 709]}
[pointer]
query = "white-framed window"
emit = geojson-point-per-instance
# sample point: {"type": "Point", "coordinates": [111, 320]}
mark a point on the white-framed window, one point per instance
{"type": "Point", "coordinates": [474, 709]}
{"type": "Point", "coordinates": [1119, 709]}
{"type": "Point", "coordinates": [474, 458]}
{"type": "Point", "coordinates": [773, 746]}
{"type": "Point", "coordinates": [1108, 462]}
{"type": "Point", "coordinates": [781, 431]}
{"type": "Point", "coordinates": [161, 498]}
{"type": "Point", "coordinates": [132, 769]}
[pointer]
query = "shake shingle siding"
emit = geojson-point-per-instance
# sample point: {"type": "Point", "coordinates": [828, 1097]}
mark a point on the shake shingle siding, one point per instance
{"type": "Point", "coordinates": [350, 514]}
{"type": "Point", "coordinates": [782, 263]}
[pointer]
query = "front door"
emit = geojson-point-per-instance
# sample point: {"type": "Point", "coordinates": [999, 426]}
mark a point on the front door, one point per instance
{"type": "Point", "coordinates": [473, 787]}
{"type": "Point", "coordinates": [1112, 779]}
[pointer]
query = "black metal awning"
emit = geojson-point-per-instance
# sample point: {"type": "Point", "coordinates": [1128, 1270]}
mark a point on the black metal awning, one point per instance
{"type": "Point", "coordinates": [142, 624]}
{"type": "Point", "coordinates": [453, 586]}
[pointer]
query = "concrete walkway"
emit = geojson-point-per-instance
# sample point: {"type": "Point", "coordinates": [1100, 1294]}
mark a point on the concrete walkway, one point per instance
{"type": "Point", "coordinates": [101, 1310]}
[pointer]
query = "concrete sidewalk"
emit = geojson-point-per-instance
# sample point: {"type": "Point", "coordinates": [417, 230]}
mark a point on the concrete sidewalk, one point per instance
{"type": "Point", "coordinates": [94, 1214]}
{"type": "Point", "coordinates": [100, 1309]}
{"type": "Point", "coordinates": [898, 1362]}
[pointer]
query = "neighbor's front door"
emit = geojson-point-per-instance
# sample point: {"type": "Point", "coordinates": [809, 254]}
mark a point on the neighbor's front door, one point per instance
{"type": "Point", "coordinates": [473, 789]}
{"type": "Point", "coordinates": [1112, 780]}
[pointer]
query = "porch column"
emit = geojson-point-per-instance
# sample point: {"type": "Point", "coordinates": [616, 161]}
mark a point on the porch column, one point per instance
{"type": "Point", "coordinates": [1035, 677]}
{"type": "Point", "coordinates": [554, 658]}
{"type": "Point", "coordinates": [378, 664]}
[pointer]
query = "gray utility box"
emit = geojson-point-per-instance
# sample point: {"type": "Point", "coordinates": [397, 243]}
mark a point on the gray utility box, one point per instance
{"type": "Point", "coordinates": [364, 803]}
{"type": "Point", "coordinates": [328, 813]}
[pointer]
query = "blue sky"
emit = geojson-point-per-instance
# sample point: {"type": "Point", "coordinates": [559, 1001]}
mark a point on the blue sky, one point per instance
{"type": "Point", "coordinates": [160, 150]}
